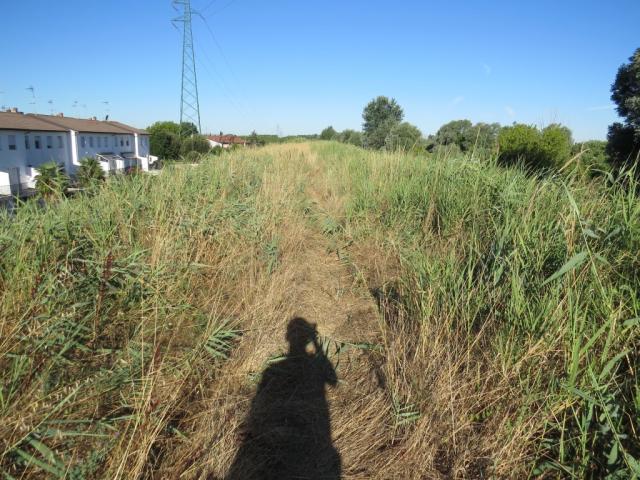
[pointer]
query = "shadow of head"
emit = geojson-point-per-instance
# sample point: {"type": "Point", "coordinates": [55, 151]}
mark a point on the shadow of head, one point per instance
{"type": "Point", "coordinates": [300, 334]}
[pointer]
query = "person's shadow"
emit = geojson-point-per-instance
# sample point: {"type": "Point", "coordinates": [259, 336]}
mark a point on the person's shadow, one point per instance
{"type": "Point", "coordinates": [287, 434]}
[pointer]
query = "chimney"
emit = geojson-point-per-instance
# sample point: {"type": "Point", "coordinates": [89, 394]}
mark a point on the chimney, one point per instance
{"type": "Point", "coordinates": [14, 110]}
{"type": "Point", "coordinates": [94, 118]}
{"type": "Point", "coordinates": [61, 115]}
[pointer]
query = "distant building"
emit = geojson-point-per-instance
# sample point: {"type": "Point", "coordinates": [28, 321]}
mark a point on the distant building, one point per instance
{"type": "Point", "coordinates": [225, 141]}
{"type": "Point", "coordinates": [29, 140]}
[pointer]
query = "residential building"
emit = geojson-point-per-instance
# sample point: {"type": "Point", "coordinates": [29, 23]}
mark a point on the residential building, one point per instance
{"type": "Point", "coordinates": [29, 140]}
{"type": "Point", "coordinates": [225, 141]}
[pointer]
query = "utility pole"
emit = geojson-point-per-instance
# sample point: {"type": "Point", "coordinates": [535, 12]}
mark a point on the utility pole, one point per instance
{"type": "Point", "coordinates": [189, 102]}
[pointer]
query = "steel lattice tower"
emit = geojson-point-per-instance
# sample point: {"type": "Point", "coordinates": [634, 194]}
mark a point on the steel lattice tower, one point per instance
{"type": "Point", "coordinates": [189, 103]}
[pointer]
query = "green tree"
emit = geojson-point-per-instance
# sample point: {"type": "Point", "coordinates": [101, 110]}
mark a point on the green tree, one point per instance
{"type": "Point", "coordinates": [51, 180]}
{"type": "Point", "coordinates": [403, 136]}
{"type": "Point", "coordinates": [187, 129]}
{"type": "Point", "coordinates": [380, 116]}
{"type": "Point", "coordinates": [90, 172]}
{"type": "Point", "coordinates": [549, 148]}
{"type": "Point", "coordinates": [165, 145]}
{"type": "Point", "coordinates": [195, 143]}
{"type": "Point", "coordinates": [467, 136]}
{"type": "Point", "coordinates": [351, 137]}
{"type": "Point", "coordinates": [457, 132]}
{"type": "Point", "coordinates": [556, 143]}
{"type": "Point", "coordinates": [624, 139]}
{"type": "Point", "coordinates": [328, 133]}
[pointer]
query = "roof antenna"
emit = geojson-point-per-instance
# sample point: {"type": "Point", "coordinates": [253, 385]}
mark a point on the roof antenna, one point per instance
{"type": "Point", "coordinates": [50, 102]}
{"type": "Point", "coordinates": [33, 96]}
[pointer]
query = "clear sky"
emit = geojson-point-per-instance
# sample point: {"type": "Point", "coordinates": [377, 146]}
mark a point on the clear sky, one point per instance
{"type": "Point", "coordinates": [296, 66]}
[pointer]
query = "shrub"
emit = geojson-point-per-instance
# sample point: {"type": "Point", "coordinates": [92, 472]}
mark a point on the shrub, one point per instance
{"type": "Point", "coordinates": [216, 151]}
{"type": "Point", "coordinates": [591, 157]}
{"type": "Point", "coordinates": [90, 172]}
{"type": "Point", "coordinates": [192, 157]}
{"type": "Point", "coordinates": [195, 143]}
{"type": "Point", "coordinates": [536, 149]}
{"type": "Point", "coordinates": [351, 137]}
{"type": "Point", "coordinates": [403, 136]}
{"type": "Point", "coordinates": [165, 145]}
{"type": "Point", "coordinates": [328, 133]}
{"type": "Point", "coordinates": [51, 180]}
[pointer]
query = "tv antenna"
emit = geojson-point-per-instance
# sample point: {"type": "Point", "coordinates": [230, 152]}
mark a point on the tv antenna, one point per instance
{"type": "Point", "coordinates": [32, 89]}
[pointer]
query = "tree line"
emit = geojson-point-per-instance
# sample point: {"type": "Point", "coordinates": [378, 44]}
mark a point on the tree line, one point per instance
{"type": "Point", "coordinates": [551, 147]}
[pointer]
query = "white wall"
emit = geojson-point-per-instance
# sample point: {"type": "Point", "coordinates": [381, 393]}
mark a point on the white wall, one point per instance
{"type": "Point", "coordinates": [54, 146]}
{"type": "Point", "coordinates": [91, 144]}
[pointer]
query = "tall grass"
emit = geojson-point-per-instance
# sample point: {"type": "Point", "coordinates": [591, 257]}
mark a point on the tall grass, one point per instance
{"type": "Point", "coordinates": [134, 322]}
{"type": "Point", "coordinates": [531, 286]}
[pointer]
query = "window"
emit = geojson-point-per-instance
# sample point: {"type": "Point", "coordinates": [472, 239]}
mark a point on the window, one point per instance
{"type": "Point", "coordinates": [115, 142]}
{"type": "Point", "coordinates": [27, 144]}
{"type": "Point", "coordinates": [121, 143]}
{"type": "Point", "coordinates": [83, 142]}
{"type": "Point", "coordinates": [127, 142]}
{"type": "Point", "coordinates": [36, 142]}
{"type": "Point", "coordinates": [59, 141]}
{"type": "Point", "coordinates": [90, 142]}
{"type": "Point", "coordinates": [106, 142]}
{"type": "Point", "coordinates": [49, 141]}
{"type": "Point", "coordinates": [0, 143]}
{"type": "Point", "coordinates": [99, 142]}
{"type": "Point", "coordinates": [12, 142]}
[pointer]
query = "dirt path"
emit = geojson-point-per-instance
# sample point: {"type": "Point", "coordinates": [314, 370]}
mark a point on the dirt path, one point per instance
{"type": "Point", "coordinates": [271, 411]}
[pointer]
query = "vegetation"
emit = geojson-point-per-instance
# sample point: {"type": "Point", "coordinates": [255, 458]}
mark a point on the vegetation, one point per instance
{"type": "Point", "coordinates": [380, 116]}
{"type": "Point", "coordinates": [171, 141]}
{"type": "Point", "coordinates": [624, 139]}
{"type": "Point", "coordinates": [467, 136]}
{"type": "Point", "coordinates": [328, 134]}
{"type": "Point", "coordinates": [51, 182]}
{"type": "Point", "coordinates": [482, 323]}
{"type": "Point", "coordinates": [544, 149]}
{"type": "Point", "coordinates": [89, 172]}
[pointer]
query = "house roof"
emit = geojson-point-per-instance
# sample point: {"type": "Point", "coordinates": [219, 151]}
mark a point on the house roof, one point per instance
{"type": "Point", "coordinates": [59, 123]}
{"type": "Point", "coordinates": [83, 125]}
{"type": "Point", "coordinates": [227, 139]}
{"type": "Point", "coordinates": [20, 121]}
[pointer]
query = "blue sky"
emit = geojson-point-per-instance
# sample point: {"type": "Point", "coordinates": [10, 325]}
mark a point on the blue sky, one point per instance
{"type": "Point", "coordinates": [296, 66]}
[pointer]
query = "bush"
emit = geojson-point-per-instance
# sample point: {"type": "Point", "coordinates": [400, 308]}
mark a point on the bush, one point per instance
{"type": "Point", "coordinates": [380, 116]}
{"type": "Point", "coordinates": [165, 145]}
{"type": "Point", "coordinates": [403, 136]}
{"type": "Point", "coordinates": [51, 180]}
{"type": "Point", "coordinates": [192, 157]}
{"type": "Point", "coordinates": [535, 149]}
{"type": "Point", "coordinates": [89, 173]}
{"type": "Point", "coordinates": [591, 157]}
{"type": "Point", "coordinates": [195, 143]}
{"type": "Point", "coordinates": [328, 133]}
{"type": "Point", "coordinates": [351, 137]}
{"type": "Point", "coordinates": [217, 150]}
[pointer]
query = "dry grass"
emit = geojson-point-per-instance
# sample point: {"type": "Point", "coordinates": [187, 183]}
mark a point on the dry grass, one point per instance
{"type": "Point", "coordinates": [136, 324]}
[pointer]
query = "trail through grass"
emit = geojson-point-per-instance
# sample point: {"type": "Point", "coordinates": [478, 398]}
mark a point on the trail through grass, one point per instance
{"type": "Point", "coordinates": [480, 322]}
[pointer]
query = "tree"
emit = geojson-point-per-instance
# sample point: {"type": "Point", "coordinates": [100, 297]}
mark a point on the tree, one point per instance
{"type": "Point", "coordinates": [467, 136]}
{"type": "Point", "coordinates": [188, 129]}
{"type": "Point", "coordinates": [90, 172]}
{"type": "Point", "coordinates": [556, 143]}
{"type": "Point", "coordinates": [403, 136]}
{"type": "Point", "coordinates": [195, 143]}
{"type": "Point", "coordinates": [624, 139]}
{"type": "Point", "coordinates": [380, 116]}
{"type": "Point", "coordinates": [457, 132]}
{"type": "Point", "coordinates": [549, 148]}
{"type": "Point", "coordinates": [51, 180]}
{"type": "Point", "coordinates": [351, 137]}
{"type": "Point", "coordinates": [328, 133]}
{"type": "Point", "coordinates": [164, 144]}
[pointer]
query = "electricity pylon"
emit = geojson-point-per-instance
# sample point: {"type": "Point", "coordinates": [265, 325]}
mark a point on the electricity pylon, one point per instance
{"type": "Point", "coordinates": [189, 103]}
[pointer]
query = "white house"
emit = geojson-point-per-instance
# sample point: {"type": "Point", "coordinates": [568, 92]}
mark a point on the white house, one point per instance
{"type": "Point", "coordinates": [29, 140]}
